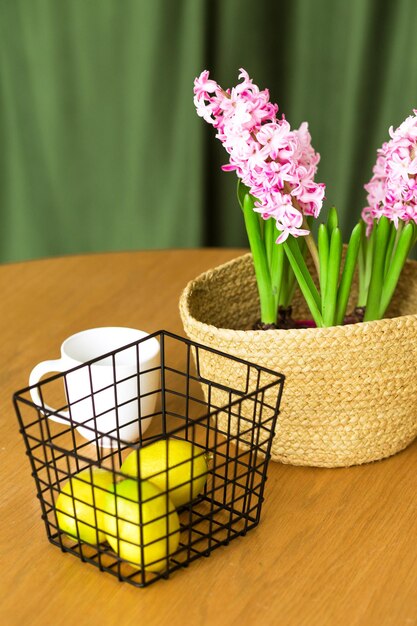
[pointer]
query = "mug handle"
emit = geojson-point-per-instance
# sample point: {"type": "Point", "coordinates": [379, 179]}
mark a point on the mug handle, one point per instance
{"type": "Point", "coordinates": [47, 367]}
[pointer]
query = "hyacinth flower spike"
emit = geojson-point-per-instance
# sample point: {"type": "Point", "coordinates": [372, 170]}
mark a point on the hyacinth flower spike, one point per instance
{"type": "Point", "coordinates": [390, 217]}
{"type": "Point", "coordinates": [275, 166]}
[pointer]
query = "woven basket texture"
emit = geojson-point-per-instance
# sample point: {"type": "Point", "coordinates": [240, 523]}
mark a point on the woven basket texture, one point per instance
{"type": "Point", "coordinates": [350, 394]}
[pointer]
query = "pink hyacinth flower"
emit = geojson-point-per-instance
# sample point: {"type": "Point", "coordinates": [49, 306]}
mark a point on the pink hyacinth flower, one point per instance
{"type": "Point", "coordinates": [392, 190]}
{"type": "Point", "coordinates": [276, 163]}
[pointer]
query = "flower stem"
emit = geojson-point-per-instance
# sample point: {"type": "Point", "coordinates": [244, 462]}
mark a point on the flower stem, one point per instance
{"type": "Point", "coordinates": [323, 241]}
{"type": "Point", "coordinates": [269, 238]}
{"type": "Point", "coordinates": [277, 268]}
{"type": "Point", "coordinates": [312, 248]}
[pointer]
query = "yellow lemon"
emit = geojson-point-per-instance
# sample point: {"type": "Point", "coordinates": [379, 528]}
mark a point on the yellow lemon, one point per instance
{"type": "Point", "coordinates": [175, 465]}
{"type": "Point", "coordinates": [75, 511]}
{"type": "Point", "coordinates": [141, 524]}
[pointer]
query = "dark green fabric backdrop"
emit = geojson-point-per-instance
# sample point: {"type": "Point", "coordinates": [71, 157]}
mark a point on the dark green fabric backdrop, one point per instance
{"type": "Point", "coordinates": [101, 148]}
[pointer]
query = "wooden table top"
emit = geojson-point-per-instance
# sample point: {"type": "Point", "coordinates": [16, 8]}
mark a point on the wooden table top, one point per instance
{"type": "Point", "coordinates": [334, 547]}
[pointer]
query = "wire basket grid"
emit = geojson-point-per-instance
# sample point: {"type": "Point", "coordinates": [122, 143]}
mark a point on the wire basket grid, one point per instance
{"type": "Point", "coordinates": [143, 525]}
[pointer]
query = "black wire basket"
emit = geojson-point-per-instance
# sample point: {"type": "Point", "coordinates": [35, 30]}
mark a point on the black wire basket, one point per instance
{"type": "Point", "coordinates": [195, 476]}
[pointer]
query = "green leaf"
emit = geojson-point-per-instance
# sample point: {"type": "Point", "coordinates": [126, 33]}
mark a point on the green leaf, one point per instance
{"type": "Point", "coordinates": [392, 241]}
{"type": "Point", "coordinates": [366, 256]}
{"type": "Point", "coordinates": [370, 257]}
{"type": "Point", "coordinates": [362, 295]}
{"type": "Point", "coordinates": [290, 281]}
{"type": "Point", "coordinates": [263, 278]}
{"type": "Point", "coordinates": [401, 253]}
{"type": "Point", "coordinates": [333, 271]}
{"type": "Point", "coordinates": [373, 304]}
{"type": "Point", "coordinates": [348, 272]}
{"type": "Point", "coordinates": [332, 220]}
{"type": "Point", "coordinates": [305, 282]}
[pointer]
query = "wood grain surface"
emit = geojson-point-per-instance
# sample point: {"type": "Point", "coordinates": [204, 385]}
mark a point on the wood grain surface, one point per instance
{"type": "Point", "coordinates": [334, 547]}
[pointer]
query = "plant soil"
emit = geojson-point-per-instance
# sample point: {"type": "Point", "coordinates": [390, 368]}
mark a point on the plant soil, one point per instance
{"type": "Point", "coordinates": [285, 320]}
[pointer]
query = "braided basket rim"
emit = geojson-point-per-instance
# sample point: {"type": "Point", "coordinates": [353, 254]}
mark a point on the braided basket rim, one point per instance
{"type": "Point", "coordinates": [292, 333]}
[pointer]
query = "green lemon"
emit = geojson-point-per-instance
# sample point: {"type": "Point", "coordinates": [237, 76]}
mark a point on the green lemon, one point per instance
{"type": "Point", "coordinates": [141, 524]}
{"type": "Point", "coordinates": [171, 464]}
{"type": "Point", "coordinates": [75, 512]}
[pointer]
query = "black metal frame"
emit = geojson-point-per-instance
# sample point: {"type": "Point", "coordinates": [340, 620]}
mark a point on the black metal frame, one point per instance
{"type": "Point", "coordinates": [234, 426]}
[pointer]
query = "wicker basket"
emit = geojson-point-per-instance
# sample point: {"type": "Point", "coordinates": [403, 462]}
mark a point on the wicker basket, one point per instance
{"type": "Point", "coordinates": [350, 394]}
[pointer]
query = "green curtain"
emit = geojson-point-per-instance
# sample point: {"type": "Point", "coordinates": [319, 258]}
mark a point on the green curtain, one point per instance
{"type": "Point", "coordinates": [101, 148]}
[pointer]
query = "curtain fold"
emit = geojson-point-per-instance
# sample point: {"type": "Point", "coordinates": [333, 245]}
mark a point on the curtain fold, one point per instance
{"type": "Point", "coordinates": [101, 148]}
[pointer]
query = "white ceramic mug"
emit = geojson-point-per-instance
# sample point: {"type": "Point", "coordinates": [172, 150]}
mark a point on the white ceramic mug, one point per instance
{"type": "Point", "coordinates": [103, 397]}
